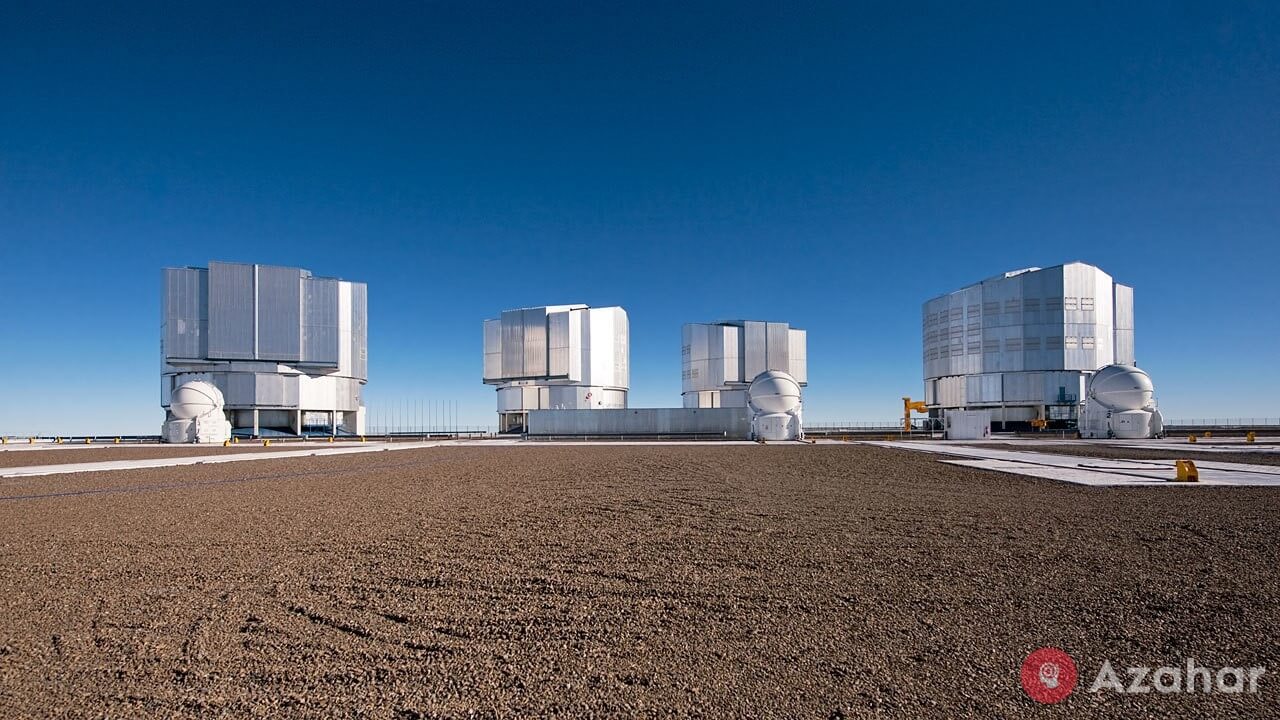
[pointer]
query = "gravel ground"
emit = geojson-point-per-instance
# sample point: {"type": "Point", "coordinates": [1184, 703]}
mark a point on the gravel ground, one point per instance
{"type": "Point", "coordinates": [25, 458]}
{"type": "Point", "coordinates": [748, 581]}
{"type": "Point", "coordinates": [1163, 453]}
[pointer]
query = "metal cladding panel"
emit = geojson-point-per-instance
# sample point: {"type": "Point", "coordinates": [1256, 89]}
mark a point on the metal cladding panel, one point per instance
{"type": "Point", "coordinates": [1123, 348]}
{"type": "Point", "coordinates": [937, 324]}
{"type": "Point", "coordinates": [535, 342]}
{"type": "Point", "coordinates": [754, 344]}
{"type": "Point", "coordinates": [951, 391]}
{"type": "Point", "coordinates": [799, 353]}
{"type": "Point", "coordinates": [279, 308]}
{"type": "Point", "coordinates": [186, 313]}
{"type": "Point", "coordinates": [716, 368]}
{"type": "Point", "coordinates": [345, 342]}
{"type": "Point", "coordinates": [693, 357]}
{"type": "Point", "coordinates": [612, 399]}
{"type": "Point", "coordinates": [241, 390]}
{"type": "Point", "coordinates": [983, 388]}
{"type": "Point", "coordinates": [532, 397]}
{"type": "Point", "coordinates": [1104, 320]}
{"type": "Point", "coordinates": [1062, 388]}
{"type": "Point", "coordinates": [734, 423]}
{"type": "Point", "coordinates": [558, 344]}
{"type": "Point", "coordinates": [575, 345]}
{"type": "Point", "coordinates": [513, 344]}
{"type": "Point", "coordinates": [567, 397]}
{"type": "Point", "coordinates": [359, 331]}
{"type": "Point", "coordinates": [510, 399]}
{"type": "Point", "coordinates": [232, 334]}
{"type": "Point", "coordinates": [621, 349]}
{"type": "Point", "coordinates": [291, 389]}
{"type": "Point", "coordinates": [320, 321]}
{"type": "Point", "coordinates": [777, 347]}
{"type": "Point", "coordinates": [1123, 298]}
{"type": "Point", "coordinates": [606, 348]}
{"type": "Point", "coordinates": [492, 350]}
{"type": "Point", "coordinates": [269, 390]}
{"type": "Point", "coordinates": [732, 339]}
{"type": "Point", "coordinates": [1024, 388]}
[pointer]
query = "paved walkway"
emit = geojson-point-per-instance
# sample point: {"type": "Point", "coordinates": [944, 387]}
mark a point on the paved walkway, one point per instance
{"type": "Point", "coordinates": [1104, 472]}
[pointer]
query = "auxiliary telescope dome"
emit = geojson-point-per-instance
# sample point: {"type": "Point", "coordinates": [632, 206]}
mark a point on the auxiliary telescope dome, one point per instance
{"type": "Point", "coordinates": [774, 391]}
{"type": "Point", "coordinates": [1121, 388]}
{"type": "Point", "coordinates": [195, 398]}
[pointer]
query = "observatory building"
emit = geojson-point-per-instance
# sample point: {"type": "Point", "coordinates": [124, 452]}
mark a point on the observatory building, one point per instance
{"type": "Point", "coordinates": [750, 364]}
{"type": "Point", "coordinates": [267, 349]}
{"type": "Point", "coordinates": [1024, 344]}
{"type": "Point", "coordinates": [559, 357]}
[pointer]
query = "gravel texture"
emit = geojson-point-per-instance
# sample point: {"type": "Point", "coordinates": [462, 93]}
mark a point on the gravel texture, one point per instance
{"type": "Point", "coordinates": [746, 581]}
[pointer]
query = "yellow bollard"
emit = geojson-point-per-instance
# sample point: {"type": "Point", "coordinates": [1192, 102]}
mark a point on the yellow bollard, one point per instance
{"type": "Point", "coordinates": [1250, 437]}
{"type": "Point", "coordinates": [330, 438]}
{"type": "Point", "coordinates": [117, 441]}
{"type": "Point", "coordinates": [1187, 471]}
{"type": "Point", "coordinates": [31, 441]}
{"type": "Point", "coordinates": [1208, 434]}
{"type": "Point", "coordinates": [266, 443]}
{"type": "Point", "coordinates": [88, 441]}
{"type": "Point", "coordinates": [1191, 438]}
{"type": "Point", "coordinates": [235, 440]}
{"type": "Point", "coordinates": [361, 438]}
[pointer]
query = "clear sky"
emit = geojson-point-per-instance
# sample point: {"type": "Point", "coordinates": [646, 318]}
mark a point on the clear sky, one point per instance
{"type": "Point", "coordinates": [829, 165]}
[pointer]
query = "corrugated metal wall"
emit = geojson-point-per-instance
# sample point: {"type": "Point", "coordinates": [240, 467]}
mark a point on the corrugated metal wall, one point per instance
{"type": "Point", "coordinates": [512, 344]}
{"type": "Point", "coordinates": [535, 342]}
{"type": "Point", "coordinates": [798, 355]}
{"type": "Point", "coordinates": [492, 349]}
{"type": "Point", "coordinates": [734, 423]}
{"type": "Point", "coordinates": [777, 347]}
{"type": "Point", "coordinates": [754, 349]}
{"type": "Point", "coordinates": [359, 331]}
{"type": "Point", "coordinates": [320, 321]}
{"type": "Point", "coordinates": [1124, 349]}
{"type": "Point", "coordinates": [185, 313]}
{"type": "Point", "coordinates": [279, 308]}
{"type": "Point", "coordinates": [231, 311]}
{"type": "Point", "coordinates": [558, 344]}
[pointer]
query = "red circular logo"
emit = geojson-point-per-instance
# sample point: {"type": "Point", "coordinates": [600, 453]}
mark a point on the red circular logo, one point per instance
{"type": "Point", "coordinates": [1048, 675]}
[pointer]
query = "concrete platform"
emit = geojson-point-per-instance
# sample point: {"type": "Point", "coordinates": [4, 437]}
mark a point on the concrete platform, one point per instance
{"type": "Point", "coordinates": [1092, 471]}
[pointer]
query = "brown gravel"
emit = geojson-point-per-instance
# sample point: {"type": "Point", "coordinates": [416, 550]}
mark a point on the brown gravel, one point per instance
{"type": "Point", "coordinates": [1180, 452]}
{"type": "Point", "coordinates": [25, 458]}
{"type": "Point", "coordinates": [784, 581]}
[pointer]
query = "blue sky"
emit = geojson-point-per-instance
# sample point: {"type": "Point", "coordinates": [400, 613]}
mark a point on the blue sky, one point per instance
{"type": "Point", "coordinates": [830, 165]}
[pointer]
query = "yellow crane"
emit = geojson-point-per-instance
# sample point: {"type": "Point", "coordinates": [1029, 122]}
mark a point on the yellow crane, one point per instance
{"type": "Point", "coordinates": [907, 406]}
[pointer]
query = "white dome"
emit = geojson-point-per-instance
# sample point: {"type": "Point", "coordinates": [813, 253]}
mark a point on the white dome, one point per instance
{"type": "Point", "coordinates": [774, 392]}
{"type": "Point", "coordinates": [194, 399]}
{"type": "Point", "coordinates": [1121, 388]}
